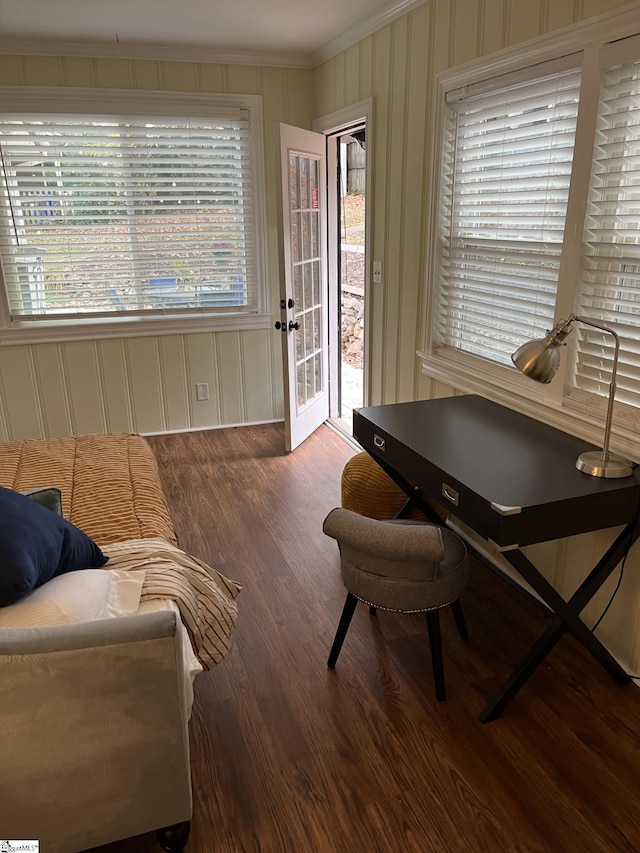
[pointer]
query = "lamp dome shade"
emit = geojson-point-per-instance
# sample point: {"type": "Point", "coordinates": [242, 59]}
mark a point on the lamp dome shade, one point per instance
{"type": "Point", "coordinates": [539, 360]}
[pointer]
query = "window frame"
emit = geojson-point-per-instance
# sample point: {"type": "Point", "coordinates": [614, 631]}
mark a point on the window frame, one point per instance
{"type": "Point", "coordinates": [553, 403]}
{"type": "Point", "coordinates": [84, 101]}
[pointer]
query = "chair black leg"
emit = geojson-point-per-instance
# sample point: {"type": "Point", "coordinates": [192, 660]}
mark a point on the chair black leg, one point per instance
{"type": "Point", "coordinates": [458, 615]}
{"type": "Point", "coordinates": [343, 627]}
{"type": "Point", "coordinates": [435, 641]}
{"type": "Point", "coordinates": [372, 610]}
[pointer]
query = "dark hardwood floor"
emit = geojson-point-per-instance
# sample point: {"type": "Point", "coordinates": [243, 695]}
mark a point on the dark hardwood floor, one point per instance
{"type": "Point", "coordinates": [290, 757]}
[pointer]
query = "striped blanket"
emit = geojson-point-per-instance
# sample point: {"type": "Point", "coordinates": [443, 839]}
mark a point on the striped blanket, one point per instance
{"type": "Point", "coordinates": [205, 598]}
{"type": "Point", "coordinates": [110, 484]}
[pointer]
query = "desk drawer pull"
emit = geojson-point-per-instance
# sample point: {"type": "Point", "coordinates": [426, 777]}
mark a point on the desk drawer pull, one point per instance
{"type": "Point", "coordinates": [450, 494]}
{"type": "Point", "coordinates": [378, 442]}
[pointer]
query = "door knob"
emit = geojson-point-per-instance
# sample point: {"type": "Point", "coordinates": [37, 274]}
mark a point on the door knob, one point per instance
{"type": "Point", "coordinates": [293, 325]}
{"type": "Point", "coordinates": [281, 326]}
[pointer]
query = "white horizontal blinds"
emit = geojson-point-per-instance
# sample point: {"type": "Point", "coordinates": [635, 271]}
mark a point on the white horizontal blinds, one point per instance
{"type": "Point", "coordinates": [609, 290]}
{"type": "Point", "coordinates": [105, 215]}
{"type": "Point", "coordinates": [506, 174]}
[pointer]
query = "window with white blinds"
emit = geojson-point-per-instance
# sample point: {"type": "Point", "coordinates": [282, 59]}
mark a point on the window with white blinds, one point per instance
{"type": "Point", "coordinates": [505, 179]}
{"type": "Point", "coordinates": [127, 215]}
{"type": "Point", "coordinates": [610, 283]}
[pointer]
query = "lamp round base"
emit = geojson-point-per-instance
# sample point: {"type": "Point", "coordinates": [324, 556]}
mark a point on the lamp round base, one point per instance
{"type": "Point", "coordinates": [615, 466]}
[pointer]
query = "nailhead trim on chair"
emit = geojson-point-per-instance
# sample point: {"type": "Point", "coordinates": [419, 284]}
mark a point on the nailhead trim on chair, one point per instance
{"type": "Point", "coordinates": [395, 610]}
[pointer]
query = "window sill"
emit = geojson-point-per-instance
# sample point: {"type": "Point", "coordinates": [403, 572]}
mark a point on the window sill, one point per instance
{"type": "Point", "coordinates": [39, 332]}
{"type": "Point", "coordinates": [505, 385]}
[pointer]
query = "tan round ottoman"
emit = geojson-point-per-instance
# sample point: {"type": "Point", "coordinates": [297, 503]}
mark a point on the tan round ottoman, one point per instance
{"type": "Point", "coordinates": [367, 490]}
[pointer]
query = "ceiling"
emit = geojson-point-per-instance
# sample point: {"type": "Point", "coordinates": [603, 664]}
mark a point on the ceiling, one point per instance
{"type": "Point", "coordinates": [289, 32]}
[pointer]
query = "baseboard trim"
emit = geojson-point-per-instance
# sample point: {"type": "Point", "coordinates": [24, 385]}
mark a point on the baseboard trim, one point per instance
{"type": "Point", "coordinates": [212, 427]}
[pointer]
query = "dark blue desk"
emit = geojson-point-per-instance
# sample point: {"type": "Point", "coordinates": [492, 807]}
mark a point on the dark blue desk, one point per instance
{"type": "Point", "coordinates": [513, 480]}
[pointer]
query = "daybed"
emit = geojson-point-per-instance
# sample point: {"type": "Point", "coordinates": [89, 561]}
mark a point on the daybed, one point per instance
{"type": "Point", "coordinates": [93, 712]}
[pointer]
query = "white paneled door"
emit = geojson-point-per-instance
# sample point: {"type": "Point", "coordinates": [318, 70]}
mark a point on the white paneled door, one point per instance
{"type": "Point", "coordinates": [303, 289]}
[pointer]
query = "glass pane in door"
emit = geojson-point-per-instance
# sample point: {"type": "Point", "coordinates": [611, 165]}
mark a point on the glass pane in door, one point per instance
{"type": "Point", "coordinates": [305, 234]}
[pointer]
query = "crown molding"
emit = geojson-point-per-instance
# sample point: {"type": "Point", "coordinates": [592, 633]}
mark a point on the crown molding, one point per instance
{"type": "Point", "coordinates": [363, 29]}
{"type": "Point", "coordinates": [166, 52]}
{"type": "Point", "coordinates": [151, 51]}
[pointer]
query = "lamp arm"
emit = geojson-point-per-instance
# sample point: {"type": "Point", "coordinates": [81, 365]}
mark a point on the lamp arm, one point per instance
{"type": "Point", "coordinates": [612, 384]}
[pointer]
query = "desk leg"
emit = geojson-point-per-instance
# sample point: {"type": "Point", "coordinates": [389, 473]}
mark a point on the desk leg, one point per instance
{"type": "Point", "coordinates": [567, 617]}
{"type": "Point", "coordinates": [521, 673]}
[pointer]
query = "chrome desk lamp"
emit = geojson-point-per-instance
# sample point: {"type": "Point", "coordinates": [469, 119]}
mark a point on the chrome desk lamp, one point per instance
{"type": "Point", "coordinates": [540, 359]}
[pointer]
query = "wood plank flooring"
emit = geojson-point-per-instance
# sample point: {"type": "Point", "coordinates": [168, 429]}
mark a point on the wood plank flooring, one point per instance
{"type": "Point", "coordinates": [289, 757]}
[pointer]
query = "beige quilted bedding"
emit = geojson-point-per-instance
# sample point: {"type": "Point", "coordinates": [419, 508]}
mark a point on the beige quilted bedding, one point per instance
{"type": "Point", "coordinates": [110, 484]}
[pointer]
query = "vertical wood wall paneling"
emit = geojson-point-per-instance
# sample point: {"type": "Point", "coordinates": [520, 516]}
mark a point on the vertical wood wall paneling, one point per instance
{"type": "Point", "coordinates": [556, 14]}
{"type": "Point", "coordinates": [230, 377]}
{"type": "Point", "coordinates": [174, 381]}
{"type": "Point", "coordinates": [43, 71]}
{"type": "Point", "coordinates": [21, 404]}
{"type": "Point", "coordinates": [298, 106]}
{"type": "Point", "coordinates": [11, 71]}
{"type": "Point", "coordinates": [256, 374]}
{"type": "Point", "coordinates": [352, 75]}
{"type": "Point", "coordinates": [143, 370]}
{"type": "Point", "coordinates": [324, 87]}
{"type": "Point", "coordinates": [394, 238]}
{"type": "Point", "coordinates": [273, 108]}
{"type": "Point", "coordinates": [5, 432]}
{"type": "Point", "coordinates": [491, 17]}
{"type": "Point", "coordinates": [366, 70]}
{"type": "Point", "coordinates": [202, 366]}
{"type": "Point", "coordinates": [52, 390]}
{"type": "Point", "coordinates": [210, 77]}
{"type": "Point", "coordinates": [113, 73]}
{"type": "Point", "coordinates": [341, 80]}
{"type": "Point", "coordinates": [146, 74]}
{"type": "Point", "coordinates": [525, 21]}
{"type": "Point", "coordinates": [589, 8]}
{"type": "Point", "coordinates": [506, 21]}
{"type": "Point", "coordinates": [415, 200]}
{"type": "Point", "coordinates": [380, 75]}
{"type": "Point", "coordinates": [464, 26]}
{"type": "Point", "coordinates": [243, 79]}
{"type": "Point", "coordinates": [180, 77]}
{"type": "Point", "coordinates": [116, 388]}
{"type": "Point", "coordinates": [84, 387]}
{"type": "Point", "coordinates": [274, 102]}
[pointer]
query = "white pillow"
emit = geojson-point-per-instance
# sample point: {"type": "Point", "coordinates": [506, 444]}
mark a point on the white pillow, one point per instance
{"type": "Point", "coordinates": [80, 596]}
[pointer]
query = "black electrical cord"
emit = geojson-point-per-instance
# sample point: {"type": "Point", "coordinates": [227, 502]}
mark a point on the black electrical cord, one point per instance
{"type": "Point", "coordinates": [613, 594]}
{"type": "Point", "coordinates": [618, 584]}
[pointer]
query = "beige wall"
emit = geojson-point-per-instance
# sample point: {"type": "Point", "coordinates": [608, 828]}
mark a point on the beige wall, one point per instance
{"type": "Point", "coordinates": [148, 384]}
{"type": "Point", "coordinates": [396, 66]}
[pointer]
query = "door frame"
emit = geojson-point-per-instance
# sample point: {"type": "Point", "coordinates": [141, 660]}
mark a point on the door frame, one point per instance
{"type": "Point", "coordinates": [332, 126]}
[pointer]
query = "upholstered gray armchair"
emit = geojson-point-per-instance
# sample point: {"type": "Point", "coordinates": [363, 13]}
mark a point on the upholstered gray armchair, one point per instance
{"type": "Point", "coordinates": [404, 566]}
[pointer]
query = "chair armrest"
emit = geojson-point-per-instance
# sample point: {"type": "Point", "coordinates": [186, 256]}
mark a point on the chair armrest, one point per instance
{"type": "Point", "coordinates": [385, 539]}
{"type": "Point", "coordinates": [93, 731]}
{"type": "Point", "coordinates": [86, 635]}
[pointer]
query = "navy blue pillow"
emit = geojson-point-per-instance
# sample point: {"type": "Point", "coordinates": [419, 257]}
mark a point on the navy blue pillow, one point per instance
{"type": "Point", "coordinates": [36, 545]}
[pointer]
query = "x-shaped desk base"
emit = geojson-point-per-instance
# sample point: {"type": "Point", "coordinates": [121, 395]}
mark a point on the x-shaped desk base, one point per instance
{"type": "Point", "coordinates": [566, 614]}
